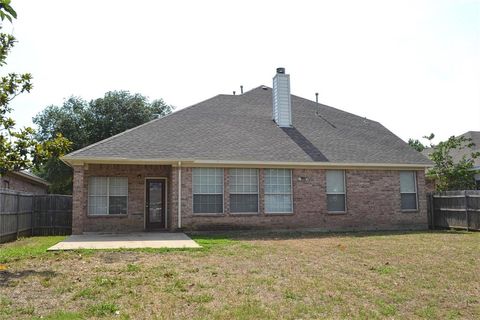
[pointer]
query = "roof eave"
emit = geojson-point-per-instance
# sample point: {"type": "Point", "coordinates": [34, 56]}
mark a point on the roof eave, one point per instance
{"type": "Point", "coordinates": [31, 178]}
{"type": "Point", "coordinates": [72, 161]}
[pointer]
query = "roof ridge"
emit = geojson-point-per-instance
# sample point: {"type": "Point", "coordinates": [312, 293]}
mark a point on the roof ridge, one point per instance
{"type": "Point", "coordinates": [319, 103]}
{"type": "Point", "coordinates": [134, 128]}
{"type": "Point", "coordinates": [255, 88]}
{"type": "Point", "coordinates": [336, 109]}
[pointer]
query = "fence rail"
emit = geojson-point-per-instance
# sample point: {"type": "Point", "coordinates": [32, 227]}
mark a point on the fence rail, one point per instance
{"type": "Point", "coordinates": [454, 209]}
{"type": "Point", "coordinates": [25, 214]}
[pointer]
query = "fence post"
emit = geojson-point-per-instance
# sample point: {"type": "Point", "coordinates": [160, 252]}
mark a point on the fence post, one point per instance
{"type": "Point", "coordinates": [32, 223]}
{"type": "Point", "coordinates": [1, 219]}
{"type": "Point", "coordinates": [431, 212]}
{"type": "Point", "coordinates": [466, 209]}
{"type": "Point", "coordinates": [54, 215]}
{"type": "Point", "coordinates": [18, 214]}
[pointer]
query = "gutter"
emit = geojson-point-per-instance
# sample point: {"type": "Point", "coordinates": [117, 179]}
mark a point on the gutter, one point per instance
{"type": "Point", "coordinates": [235, 163]}
{"type": "Point", "coordinates": [179, 206]}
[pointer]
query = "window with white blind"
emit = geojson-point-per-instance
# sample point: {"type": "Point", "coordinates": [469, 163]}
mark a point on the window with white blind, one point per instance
{"type": "Point", "coordinates": [207, 190]}
{"type": "Point", "coordinates": [243, 190]}
{"type": "Point", "coordinates": [278, 191]}
{"type": "Point", "coordinates": [336, 199]}
{"type": "Point", "coordinates": [408, 190]}
{"type": "Point", "coordinates": [107, 195]}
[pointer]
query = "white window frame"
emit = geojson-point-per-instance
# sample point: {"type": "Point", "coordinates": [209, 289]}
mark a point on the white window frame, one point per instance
{"type": "Point", "coordinates": [108, 199]}
{"type": "Point", "coordinates": [274, 194]}
{"type": "Point", "coordinates": [258, 191]}
{"type": "Point", "coordinates": [334, 193]}
{"type": "Point", "coordinates": [416, 191]}
{"type": "Point", "coordinates": [223, 194]}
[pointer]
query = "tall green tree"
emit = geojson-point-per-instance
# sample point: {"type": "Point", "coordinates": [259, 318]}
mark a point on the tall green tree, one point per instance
{"type": "Point", "coordinates": [85, 123]}
{"type": "Point", "coordinates": [19, 150]}
{"type": "Point", "coordinates": [451, 174]}
{"type": "Point", "coordinates": [118, 111]}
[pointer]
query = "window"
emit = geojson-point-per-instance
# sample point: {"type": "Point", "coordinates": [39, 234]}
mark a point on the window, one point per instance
{"type": "Point", "coordinates": [336, 191]}
{"type": "Point", "coordinates": [6, 184]}
{"type": "Point", "coordinates": [207, 190]}
{"type": "Point", "coordinates": [278, 191]}
{"type": "Point", "coordinates": [243, 190]}
{"type": "Point", "coordinates": [107, 195]}
{"type": "Point", "coordinates": [408, 190]}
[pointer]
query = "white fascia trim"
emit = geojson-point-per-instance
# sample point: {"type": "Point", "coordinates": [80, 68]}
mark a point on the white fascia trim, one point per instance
{"type": "Point", "coordinates": [267, 164]}
{"type": "Point", "coordinates": [106, 160]}
{"type": "Point", "coordinates": [228, 163]}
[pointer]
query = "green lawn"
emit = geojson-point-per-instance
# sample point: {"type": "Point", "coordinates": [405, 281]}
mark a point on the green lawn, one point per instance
{"type": "Point", "coordinates": [433, 275]}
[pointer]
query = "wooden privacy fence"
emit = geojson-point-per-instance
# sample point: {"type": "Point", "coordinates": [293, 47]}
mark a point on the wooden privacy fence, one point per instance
{"type": "Point", "coordinates": [454, 209]}
{"type": "Point", "coordinates": [25, 214]}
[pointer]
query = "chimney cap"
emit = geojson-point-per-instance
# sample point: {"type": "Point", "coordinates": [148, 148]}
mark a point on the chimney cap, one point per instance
{"type": "Point", "coordinates": [281, 70]}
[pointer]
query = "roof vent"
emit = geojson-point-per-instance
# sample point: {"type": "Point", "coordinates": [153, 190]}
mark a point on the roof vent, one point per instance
{"type": "Point", "coordinates": [282, 105]}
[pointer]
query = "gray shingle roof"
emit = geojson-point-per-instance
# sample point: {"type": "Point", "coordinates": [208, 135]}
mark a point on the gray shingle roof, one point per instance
{"type": "Point", "coordinates": [240, 128]}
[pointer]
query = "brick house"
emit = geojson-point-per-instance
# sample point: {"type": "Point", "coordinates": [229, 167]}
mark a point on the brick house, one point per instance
{"type": "Point", "coordinates": [24, 181]}
{"type": "Point", "coordinates": [264, 159]}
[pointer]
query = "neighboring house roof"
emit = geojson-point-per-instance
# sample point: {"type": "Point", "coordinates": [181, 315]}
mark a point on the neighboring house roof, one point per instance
{"type": "Point", "coordinates": [240, 128]}
{"type": "Point", "coordinates": [457, 154]}
{"type": "Point", "coordinates": [31, 177]}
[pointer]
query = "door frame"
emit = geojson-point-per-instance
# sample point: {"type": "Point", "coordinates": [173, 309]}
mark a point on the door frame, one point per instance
{"type": "Point", "coordinates": [145, 200]}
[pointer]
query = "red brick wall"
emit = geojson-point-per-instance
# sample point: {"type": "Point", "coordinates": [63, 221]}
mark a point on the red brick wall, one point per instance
{"type": "Point", "coordinates": [134, 220]}
{"type": "Point", "coordinates": [20, 184]}
{"type": "Point", "coordinates": [373, 202]}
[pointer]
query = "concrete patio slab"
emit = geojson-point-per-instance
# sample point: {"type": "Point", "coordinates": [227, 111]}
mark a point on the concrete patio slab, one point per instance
{"type": "Point", "coordinates": [126, 241]}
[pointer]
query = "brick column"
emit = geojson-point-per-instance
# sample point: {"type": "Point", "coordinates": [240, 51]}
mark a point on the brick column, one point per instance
{"type": "Point", "coordinates": [173, 209]}
{"type": "Point", "coordinates": [226, 191]}
{"type": "Point", "coordinates": [422, 195]}
{"type": "Point", "coordinates": [79, 199]}
{"type": "Point", "coordinates": [187, 200]}
{"type": "Point", "coordinates": [261, 191]}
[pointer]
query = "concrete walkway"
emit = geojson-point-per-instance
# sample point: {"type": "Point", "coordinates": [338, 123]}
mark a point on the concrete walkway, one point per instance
{"type": "Point", "coordinates": [130, 241]}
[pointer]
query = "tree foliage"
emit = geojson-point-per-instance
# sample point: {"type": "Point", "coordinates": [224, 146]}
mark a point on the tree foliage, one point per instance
{"type": "Point", "coordinates": [6, 11]}
{"type": "Point", "coordinates": [19, 149]}
{"type": "Point", "coordinates": [85, 123]}
{"type": "Point", "coordinates": [451, 174]}
{"type": "Point", "coordinates": [416, 144]}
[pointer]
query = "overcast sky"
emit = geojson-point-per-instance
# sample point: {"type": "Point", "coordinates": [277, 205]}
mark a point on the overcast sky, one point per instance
{"type": "Point", "coordinates": [414, 66]}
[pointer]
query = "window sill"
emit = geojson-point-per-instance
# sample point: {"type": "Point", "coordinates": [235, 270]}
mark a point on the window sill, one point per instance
{"type": "Point", "coordinates": [107, 215]}
{"type": "Point", "coordinates": [244, 213]}
{"type": "Point", "coordinates": [208, 214]}
{"type": "Point", "coordinates": [336, 213]}
{"type": "Point", "coordinates": [279, 213]}
{"type": "Point", "coordinates": [409, 210]}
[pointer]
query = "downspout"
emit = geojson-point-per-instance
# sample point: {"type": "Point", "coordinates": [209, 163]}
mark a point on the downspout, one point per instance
{"type": "Point", "coordinates": [179, 207]}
